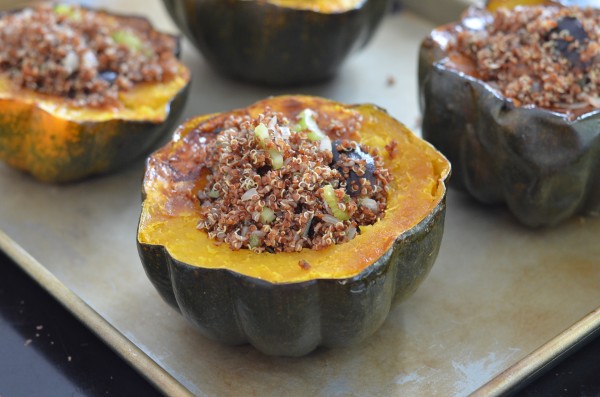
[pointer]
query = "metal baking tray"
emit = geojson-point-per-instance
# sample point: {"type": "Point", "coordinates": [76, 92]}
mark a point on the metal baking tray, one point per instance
{"type": "Point", "coordinates": [501, 303]}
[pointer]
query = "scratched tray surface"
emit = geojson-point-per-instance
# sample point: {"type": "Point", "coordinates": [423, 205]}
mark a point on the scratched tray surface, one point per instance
{"type": "Point", "coordinates": [497, 291]}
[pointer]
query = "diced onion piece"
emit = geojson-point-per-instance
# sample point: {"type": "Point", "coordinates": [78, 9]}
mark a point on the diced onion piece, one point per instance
{"type": "Point", "coordinates": [71, 62]}
{"type": "Point", "coordinates": [267, 215]}
{"type": "Point", "coordinates": [285, 132]}
{"type": "Point", "coordinates": [330, 219]}
{"type": "Point", "coordinates": [369, 203]}
{"type": "Point", "coordinates": [326, 145]}
{"type": "Point", "coordinates": [351, 232]}
{"type": "Point", "coordinates": [89, 60]}
{"type": "Point", "coordinates": [259, 233]}
{"type": "Point", "coordinates": [331, 200]}
{"type": "Point", "coordinates": [248, 194]}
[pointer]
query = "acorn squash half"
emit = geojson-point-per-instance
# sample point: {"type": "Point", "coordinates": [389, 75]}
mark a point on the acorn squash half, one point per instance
{"type": "Point", "coordinates": [543, 164]}
{"type": "Point", "coordinates": [56, 141]}
{"type": "Point", "coordinates": [267, 299]}
{"type": "Point", "coordinates": [277, 42]}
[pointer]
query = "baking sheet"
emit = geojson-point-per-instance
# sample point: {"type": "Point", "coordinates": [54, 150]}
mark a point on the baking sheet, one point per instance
{"type": "Point", "coordinates": [497, 292]}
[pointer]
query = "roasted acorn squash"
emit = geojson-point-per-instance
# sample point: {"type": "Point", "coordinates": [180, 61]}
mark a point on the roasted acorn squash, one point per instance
{"type": "Point", "coordinates": [267, 299]}
{"type": "Point", "coordinates": [56, 141]}
{"type": "Point", "coordinates": [277, 42]}
{"type": "Point", "coordinates": [543, 164]}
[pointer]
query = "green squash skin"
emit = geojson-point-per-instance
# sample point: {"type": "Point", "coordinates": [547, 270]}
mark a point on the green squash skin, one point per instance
{"type": "Point", "coordinates": [89, 156]}
{"type": "Point", "coordinates": [543, 166]}
{"type": "Point", "coordinates": [295, 318]}
{"type": "Point", "coordinates": [263, 43]}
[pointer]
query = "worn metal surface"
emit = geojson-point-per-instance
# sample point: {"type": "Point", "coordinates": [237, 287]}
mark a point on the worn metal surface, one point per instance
{"type": "Point", "coordinates": [497, 292]}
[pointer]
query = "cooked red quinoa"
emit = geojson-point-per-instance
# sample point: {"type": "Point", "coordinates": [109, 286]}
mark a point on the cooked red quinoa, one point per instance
{"type": "Point", "coordinates": [83, 55]}
{"type": "Point", "coordinates": [546, 56]}
{"type": "Point", "coordinates": [254, 201]}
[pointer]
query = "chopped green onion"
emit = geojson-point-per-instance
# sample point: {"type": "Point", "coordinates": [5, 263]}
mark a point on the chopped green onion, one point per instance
{"type": "Point", "coordinates": [267, 215]}
{"type": "Point", "coordinates": [307, 122]}
{"type": "Point", "coordinates": [276, 159]}
{"type": "Point", "coordinates": [67, 10]}
{"type": "Point", "coordinates": [314, 136]}
{"type": "Point", "coordinates": [63, 9]}
{"type": "Point", "coordinates": [261, 132]}
{"type": "Point", "coordinates": [332, 202]}
{"type": "Point", "coordinates": [127, 38]}
{"type": "Point", "coordinates": [254, 241]}
{"type": "Point", "coordinates": [213, 193]}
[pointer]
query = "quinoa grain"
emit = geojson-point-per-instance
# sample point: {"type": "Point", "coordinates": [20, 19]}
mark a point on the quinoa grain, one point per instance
{"type": "Point", "coordinates": [285, 209]}
{"type": "Point", "coordinates": [84, 56]}
{"type": "Point", "coordinates": [545, 56]}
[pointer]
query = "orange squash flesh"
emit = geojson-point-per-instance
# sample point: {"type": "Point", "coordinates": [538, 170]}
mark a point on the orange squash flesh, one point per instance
{"type": "Point", "coordinates": [322, 6]}
{"type": "Point", "coordinates": [58, 142]}
{"type": "Point", "coordinates": [169, 211]}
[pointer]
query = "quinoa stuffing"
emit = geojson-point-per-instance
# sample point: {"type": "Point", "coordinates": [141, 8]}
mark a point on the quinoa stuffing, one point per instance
{"type": "Point", "coordinates": [282, 186]}
{"type": "Point", "coordinates": [546, 56]}
{"type": "Point", "coordinates": [83, 55]}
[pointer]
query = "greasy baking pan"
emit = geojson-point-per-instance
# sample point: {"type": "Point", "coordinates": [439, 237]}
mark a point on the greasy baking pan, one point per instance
{"type": "Point", "coordinates": [497, 293]}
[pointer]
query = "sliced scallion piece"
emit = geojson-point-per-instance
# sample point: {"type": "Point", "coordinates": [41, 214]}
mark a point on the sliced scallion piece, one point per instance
{"type": "Point", "coordinates": [68, 11]}
{"type": "Point", "coordinates": [127, 38]}
{"type": "Point", "coordinates": [262, 133]}
{"type": "Point", "coordinates": [254, 241]}
{"type": "Point", "coordinates": [213, 193]}
{"type": "Point", "coordinates": [307, 122]}
{"type": "Point", "coordinates": [276, 159]}
{"type": "Point", "coordinates": [332, 201]}
{"type": "Point", "coordinates": [267, 215]}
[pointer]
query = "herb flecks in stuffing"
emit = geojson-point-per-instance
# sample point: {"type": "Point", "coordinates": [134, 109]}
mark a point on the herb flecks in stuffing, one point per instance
{"type": "Point", "coordinates": [275, 185]}
{"type": "Point", "coordinates": [84, 56]}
